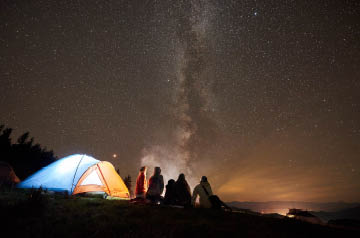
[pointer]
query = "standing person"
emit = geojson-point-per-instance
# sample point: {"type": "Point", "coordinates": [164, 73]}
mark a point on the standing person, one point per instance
{"type": "Point", "coordinates": [204, 195]}
{"type": "Point", "coordinates": [141, 184]}
{"type": "Point", "coordinates": [156, 186]}
{"type": "Point", "coordinates": [170, 196]}
{"type": "Point", "coordinates": [182, 191]}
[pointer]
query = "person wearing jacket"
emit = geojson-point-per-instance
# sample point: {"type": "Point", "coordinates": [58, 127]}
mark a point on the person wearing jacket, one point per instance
{"type": "Point", "coordinates": [170, 196]}
{"type": "Point", "coordinates": [156, 186]}
{"type": "Point", "coordinates": [183, 193]}
{"type": "Point", "coordinates": [199, 191]}
{"type": "Point", "coordinates": [141, 184]}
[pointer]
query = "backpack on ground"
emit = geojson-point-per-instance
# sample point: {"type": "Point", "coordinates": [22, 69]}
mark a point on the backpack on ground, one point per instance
{"type": "Point", "coordinates": [215, 201]}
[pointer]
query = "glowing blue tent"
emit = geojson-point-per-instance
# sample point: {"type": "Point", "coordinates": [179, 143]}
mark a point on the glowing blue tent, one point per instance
{"type": "Point", "coordinates": [62, 175]}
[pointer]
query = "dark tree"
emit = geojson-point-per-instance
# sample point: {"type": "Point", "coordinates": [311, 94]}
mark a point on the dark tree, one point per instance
{"type": "Point", "coordinates": [127, 181]}
{"type": "Point", "coordinates": [25, 157]}
{"type": "Point", "coordinates": [5, 143]}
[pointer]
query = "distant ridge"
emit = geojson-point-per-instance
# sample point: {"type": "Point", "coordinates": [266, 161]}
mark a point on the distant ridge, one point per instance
{"type": "Point", "coordinates": [282, 207]}
{"type": "Point", "coordinates": [349, 213]}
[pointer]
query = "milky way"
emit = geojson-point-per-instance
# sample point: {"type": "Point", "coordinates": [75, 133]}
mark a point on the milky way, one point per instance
{"type": "Point", "coordinates": [193, 94]}
{"type": "Point", "coordinates": [260, 96]}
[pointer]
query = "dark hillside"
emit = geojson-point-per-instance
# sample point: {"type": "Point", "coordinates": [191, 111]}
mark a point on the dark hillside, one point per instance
{"type": "Point", "coordinates": [36, 215]}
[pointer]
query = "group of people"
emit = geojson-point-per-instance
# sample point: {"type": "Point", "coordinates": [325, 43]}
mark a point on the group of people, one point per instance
{"type": "Point", "coordinates": [177, 192]}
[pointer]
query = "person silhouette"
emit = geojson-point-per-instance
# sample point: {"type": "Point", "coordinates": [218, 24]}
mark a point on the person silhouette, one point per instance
{"type": "Point", "coordinates": [156, 186]}
{"type": "Point", "coordinates": [170, 196]}
{"type": "Point", "coordinates": [203, 190]}
{"type": "Point", "coordinates": [182, 191]}
{"type": "Point", "coordinates": [141, 184]}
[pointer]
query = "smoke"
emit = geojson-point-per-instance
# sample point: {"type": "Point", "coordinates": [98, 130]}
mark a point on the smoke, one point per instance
{"type": "Point", "coordinates": [192, 94]}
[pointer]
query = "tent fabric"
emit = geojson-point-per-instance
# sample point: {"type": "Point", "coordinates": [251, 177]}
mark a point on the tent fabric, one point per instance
{"type": "Point", "coordinates": [92, 178]}
{"type": "Point", "coordinates": [79, 174]}
{"type": "Point", "coordinates": [83, 186]}
{"type": "Point", "coordinates": [7, 174]}
{"type": "Point", "coordinates": [61, 175]}
{"type": "Point", "coordinates": [111, 182]}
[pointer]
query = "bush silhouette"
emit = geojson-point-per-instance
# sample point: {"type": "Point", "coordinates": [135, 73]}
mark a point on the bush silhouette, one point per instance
{"type": "Point", "coordinates": [24, 156]}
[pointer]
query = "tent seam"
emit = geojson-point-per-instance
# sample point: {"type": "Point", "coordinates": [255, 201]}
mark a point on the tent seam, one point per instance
{"type": "Point", "coordinates": [102, 175]}
{"type": "Point", "coordinates": [72, 184]}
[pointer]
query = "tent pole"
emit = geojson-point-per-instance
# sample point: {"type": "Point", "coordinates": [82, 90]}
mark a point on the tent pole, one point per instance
{"type": "Point", "coordinates": [103, 178]}
{"type": "Point", "coordinates": [72, 185]}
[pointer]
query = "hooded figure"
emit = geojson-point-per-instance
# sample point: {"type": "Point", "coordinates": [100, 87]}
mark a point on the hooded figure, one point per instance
{"type": "Point", "coordinates": [170, 196]}
{"type": "Point", "coordinates": [199, 190]}
{"type": "Point", "coordinates": [182, 190]}
{"type": "Point", "coordinates": [156, 186]}
{"type": "Point", "coordinates": [141, 184]}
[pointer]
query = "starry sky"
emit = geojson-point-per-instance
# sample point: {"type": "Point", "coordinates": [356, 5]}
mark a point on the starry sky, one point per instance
{"type": "Point", "coordinates": [262, 96]}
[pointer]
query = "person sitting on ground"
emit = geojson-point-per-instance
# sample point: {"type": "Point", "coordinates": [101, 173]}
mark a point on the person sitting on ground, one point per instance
{"type": "Point", "coordinates": [170, 195]}
{"type": "Point", "coordinates": [183, 193]}
{"type": "Point", "coordinates": [199, 190]}
{"type": "Point", "coordinates": [141, 184]}
{"type": "Point", "coordinates": [156, 186]}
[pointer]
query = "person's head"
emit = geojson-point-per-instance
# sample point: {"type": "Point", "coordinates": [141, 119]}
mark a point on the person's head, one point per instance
{"type": "Point", "coordinates": [157, 171]}
{"type": "Point", "coordinates": [181, 177]}
{"type": "Point", "coordinates": [171, 182]}
{"type": "Point", "coordinates": [203, 179]}
{"type": "Point", "coordinates": [143, 169]}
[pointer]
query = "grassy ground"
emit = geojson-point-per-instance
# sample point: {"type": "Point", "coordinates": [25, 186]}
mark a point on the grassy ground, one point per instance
{"type": "Point", "coordinates": [33, 215]}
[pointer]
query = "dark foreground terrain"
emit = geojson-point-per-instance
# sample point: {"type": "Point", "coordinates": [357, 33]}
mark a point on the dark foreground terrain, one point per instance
{"type": "Point", "coordinates": [37, 215]}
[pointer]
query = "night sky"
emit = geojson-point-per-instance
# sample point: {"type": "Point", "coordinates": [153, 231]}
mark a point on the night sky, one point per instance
{"type": "Point", "coordinates": [261, 96]}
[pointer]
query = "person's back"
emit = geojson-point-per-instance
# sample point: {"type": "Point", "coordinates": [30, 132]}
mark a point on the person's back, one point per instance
{"type": "Point", "coordinates": [182, 189]}
{"type": "Point", "coordinates": [141, 183]}
{"type": "Point", "coordinates": [203, 190]}
{"type": "Point", "coordinates": [156, 186]}
{"type": "Point", "coordinates": [170, 195]}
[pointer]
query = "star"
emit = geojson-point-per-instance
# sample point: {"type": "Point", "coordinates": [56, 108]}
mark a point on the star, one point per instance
{"type": "Point", "coordinates": [196, 87]}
